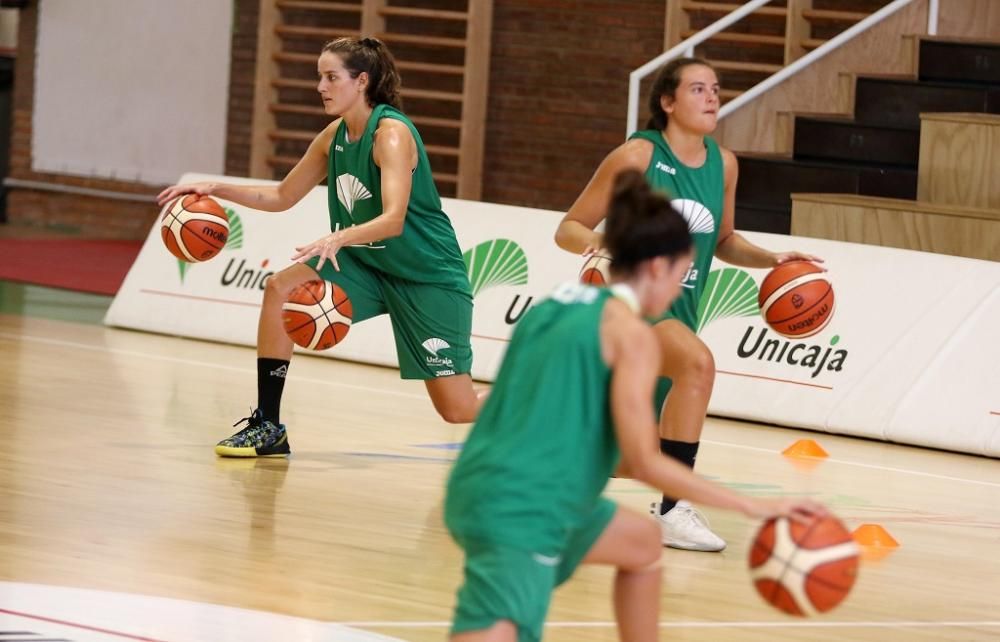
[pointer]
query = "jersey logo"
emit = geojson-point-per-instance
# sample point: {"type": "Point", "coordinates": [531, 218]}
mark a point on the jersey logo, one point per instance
{"type": "Point", "coordinates": [699, 219]}
{"type": "Point", "coordinates": [350, 190]}
{"type": "Point", "coordinates": [663, 167]}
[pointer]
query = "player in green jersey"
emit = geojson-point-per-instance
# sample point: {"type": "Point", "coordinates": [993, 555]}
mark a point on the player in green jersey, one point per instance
{"type": "Point", "coordinates": [680, 159]}
{"type": "Point", "coordinates": [570, 404]}
{"type": "Point", "coordinates": [392, 248]}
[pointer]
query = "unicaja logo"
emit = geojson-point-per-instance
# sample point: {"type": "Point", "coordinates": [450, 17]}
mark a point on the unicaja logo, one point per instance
{"type": "Point", "coordinates": [433, 346]}
{"type": "Point", "coordinates": [234, 242]}
{"type": "Point", "coordinates": [496, 262]}
{"type": "Point", "coordinates": [350, 190]}
{"type": "Point", "coordinates": [777, 349]}
{"type": "Point", "coordinates": [730, 292]}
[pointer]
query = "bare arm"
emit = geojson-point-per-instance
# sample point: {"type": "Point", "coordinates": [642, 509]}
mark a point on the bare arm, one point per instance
{"type": "Point", "coordinates": [732, 246]}
{"type": "Point", "coordinates": [395, 153]}
{"type": "Point", "coordinates": [309, 171]}
{"type": "Point", "coordinates": [632, 351]}
{"type": "Point", "coordinates": [576, 231]}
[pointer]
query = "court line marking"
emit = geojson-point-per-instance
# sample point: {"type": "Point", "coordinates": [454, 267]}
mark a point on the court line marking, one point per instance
{"type": "Point", "coordinates": [753, 376]}
{"type": "Point", "coordinates": [52, 620]}
{"type": "Point", "coordinates": [857, 464]}
{"type": "Point", "coordinates": [199, 298]}
{"type": "Point", "coordinates": [329, 382]}
{"type": "Point", "coordinates": [716, 625]}
{"type": "Point", "coordinates": [201, 364]}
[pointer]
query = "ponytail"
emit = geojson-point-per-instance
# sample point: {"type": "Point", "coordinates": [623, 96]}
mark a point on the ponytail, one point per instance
{"type": "Point", "coordinates": [641, 225]}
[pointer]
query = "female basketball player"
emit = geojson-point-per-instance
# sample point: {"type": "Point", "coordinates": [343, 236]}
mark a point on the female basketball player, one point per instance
{"type": "Point", "coordinates": [392, 249]}
{"type": "Point", "coordinates": [679, 158]}
{"type": "Point", "coordinates": [572, 396]}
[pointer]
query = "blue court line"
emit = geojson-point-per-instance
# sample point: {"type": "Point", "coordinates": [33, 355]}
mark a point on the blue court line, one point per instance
{"type": "Point", "coordinates": [442, 460]}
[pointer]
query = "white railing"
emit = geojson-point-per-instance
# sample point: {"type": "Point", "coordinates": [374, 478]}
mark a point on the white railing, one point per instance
{"type": "Point", "coordinates": [686, 48]}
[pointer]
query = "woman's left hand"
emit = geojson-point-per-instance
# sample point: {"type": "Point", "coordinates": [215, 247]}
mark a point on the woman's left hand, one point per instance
{"type": "Point", "coordinates": [784, 257]}
{"type": "Point", "coordinates": [325, 248]}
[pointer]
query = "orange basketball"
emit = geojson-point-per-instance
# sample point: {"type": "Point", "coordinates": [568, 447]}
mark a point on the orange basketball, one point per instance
{"type": "Point", "coordinates": [317, 315]}
{"type": "Point", "coordinates": [194, 228]}
{"type": "Point", "coordinates": [803, 569]}
{"type": "Point", "coordinates": [596, 270]}
{"type": "Point", "coordinates": [796, 299]}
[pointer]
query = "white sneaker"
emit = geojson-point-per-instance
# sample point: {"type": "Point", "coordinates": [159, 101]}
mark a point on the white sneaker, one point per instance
{"type": "Point", "coordinates": [685, 528]}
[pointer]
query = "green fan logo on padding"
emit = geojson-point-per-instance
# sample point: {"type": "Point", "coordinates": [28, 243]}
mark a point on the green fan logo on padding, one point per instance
{"type": "Point", "coordinates": [729, 292]}
{"type": "Point", "coordinates": [233, 242]}
{"type": "Point", "coordinates": [496, 262]}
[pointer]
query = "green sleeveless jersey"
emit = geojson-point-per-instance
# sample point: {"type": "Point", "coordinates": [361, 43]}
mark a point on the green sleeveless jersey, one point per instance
{"type": "Point", "coordinates": [543, 447]}
{"type": "Point", "coordinates": [697, 193]}
{"type": "Point", "coordinates": [427, 250]}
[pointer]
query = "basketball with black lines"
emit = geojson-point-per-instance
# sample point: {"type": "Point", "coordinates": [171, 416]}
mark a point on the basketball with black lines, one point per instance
{"type": "Point", "coordinates": [804, 568]}
{"type": "Point", "coordinates": [195, 228]}
{"type": "Point", "coordinates": [317, 315]}
{"type": "Point", "coordinates": [596, 270]}
{"type": "Point", "coordinates": [796, 299]}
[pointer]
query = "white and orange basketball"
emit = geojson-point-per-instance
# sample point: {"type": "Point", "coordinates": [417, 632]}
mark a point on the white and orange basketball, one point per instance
{"type": "Point", "coordinates": [803, 569]}
{"type": "Point", "coordinates": [596, 270]}
{"type": "Point", "coordinates": [194, 228]}
{"type": "Point", "coordinates": [317, 315]}
{"type": "Point", "coordinates": [796, 299]}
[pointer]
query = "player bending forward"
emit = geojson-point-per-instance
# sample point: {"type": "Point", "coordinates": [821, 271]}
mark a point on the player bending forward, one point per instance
{"type": "Point", "coordinates": [571, 399]}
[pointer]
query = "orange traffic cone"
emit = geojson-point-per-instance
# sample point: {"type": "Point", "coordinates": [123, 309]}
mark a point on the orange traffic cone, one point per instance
{"type": "Point", "coordinates": [876, 543]}
{"type": "Point", "coordinates": [804, 448]}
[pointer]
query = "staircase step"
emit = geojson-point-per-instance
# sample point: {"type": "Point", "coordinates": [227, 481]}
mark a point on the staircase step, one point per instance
{"type": "Point", "coordinates": [740, 38]}
{"type": "Point", "coordinates": [960, 61]}
{"type": "Point", "coordinates": [826, 15]}
{"type": "Point", "coordinates": [755, 67]}
{"type": "Point", "coordinates": [842, 140]}
{"type": "Point", "coordinates": [899, 102]}
{"type": "Point", "coordinates": [725, 8]}
{"type": "Point", "coordinates": [768, 180]}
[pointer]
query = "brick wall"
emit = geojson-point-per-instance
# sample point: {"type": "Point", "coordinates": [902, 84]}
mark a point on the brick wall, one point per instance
{"type": "Point", "coordinates": [83, 215]}
{"type": "Point", "coordinates": [558, 82]}
{"type": "Point", "coordinates": [241, 84]}
{"type": "Point", "coordinates": [558, 92]}
{"type": "Point", "coordinates": [96, 217]}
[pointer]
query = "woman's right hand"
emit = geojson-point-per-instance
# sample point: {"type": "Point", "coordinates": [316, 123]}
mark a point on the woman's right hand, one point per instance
{"type": "Point", "coordinates": [172, 192]}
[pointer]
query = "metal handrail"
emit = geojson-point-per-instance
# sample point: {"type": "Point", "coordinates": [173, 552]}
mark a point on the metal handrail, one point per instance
{"type": "Point", "coordinates": [688, 45]}
{"type": "Point", "coordinates": [685, 48]}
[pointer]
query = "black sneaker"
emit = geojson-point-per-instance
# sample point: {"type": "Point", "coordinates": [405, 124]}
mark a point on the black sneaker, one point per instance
{"type": "Point", "coordinates": [260, 438]}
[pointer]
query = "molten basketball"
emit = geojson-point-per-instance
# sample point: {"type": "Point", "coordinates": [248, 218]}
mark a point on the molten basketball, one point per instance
{"type": "Point", "coordinates": [796, 299]}
{"type": "Point", "coordinates": [596, 270]}
{"type": "Point", "coordinates": [803, 569]}
{"type": "Point", "coordinates": [317, 315]}
{"type": "Point", "coordinates": [194, 228]}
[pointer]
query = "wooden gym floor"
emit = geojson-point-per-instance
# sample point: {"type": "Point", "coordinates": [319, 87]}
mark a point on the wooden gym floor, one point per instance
{"type": "Point", "coordinates": [108, 481]}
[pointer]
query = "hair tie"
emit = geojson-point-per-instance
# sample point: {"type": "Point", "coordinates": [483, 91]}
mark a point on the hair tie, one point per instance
{"type": "Point", "coordinates": [374, 43]}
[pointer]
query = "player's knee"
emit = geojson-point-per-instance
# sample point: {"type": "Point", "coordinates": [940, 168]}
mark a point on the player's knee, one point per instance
{"type": "Point", "coordinates": [648, 547]}
{"type": "Point", "coordinates": [455, 415]}
{"type": "Point", "coordinates": [699, 367]}
{"type": "Point", "coordinates": [280, 285]}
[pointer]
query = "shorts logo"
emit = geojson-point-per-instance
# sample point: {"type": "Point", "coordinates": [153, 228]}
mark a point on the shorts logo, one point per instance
{"type": "Point", "coordinates": [433, 346]}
